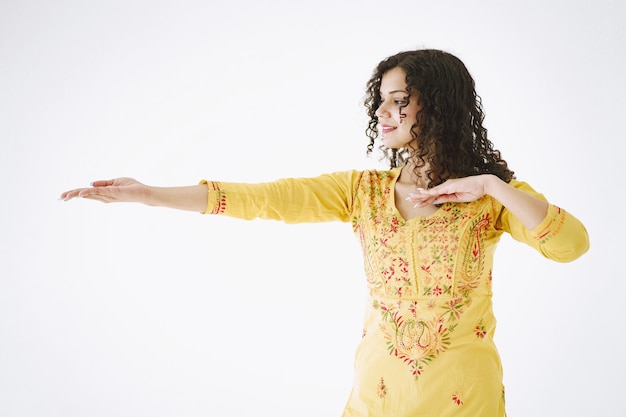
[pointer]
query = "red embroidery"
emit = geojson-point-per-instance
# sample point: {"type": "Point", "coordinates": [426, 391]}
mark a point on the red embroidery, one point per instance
{"type": "Point", "coordinates": [382, 389]}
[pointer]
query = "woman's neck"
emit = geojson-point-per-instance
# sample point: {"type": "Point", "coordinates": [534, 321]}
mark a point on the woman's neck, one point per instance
{"type": "Point", "coordinates": [409, 177]}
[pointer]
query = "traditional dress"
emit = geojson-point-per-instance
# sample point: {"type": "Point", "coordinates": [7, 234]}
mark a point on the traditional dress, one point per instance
{"type": "Point", "coordinates": [427, 348]}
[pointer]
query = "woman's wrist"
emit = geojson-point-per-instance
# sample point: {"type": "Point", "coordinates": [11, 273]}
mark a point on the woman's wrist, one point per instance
{"type": "Point", "coordinates": [151, 196]}
{"type": "Point", "coordinates": [491, 184]}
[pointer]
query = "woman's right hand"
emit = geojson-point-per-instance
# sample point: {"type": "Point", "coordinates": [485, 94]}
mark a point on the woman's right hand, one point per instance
{"type": "Point", "coordinates": [128, 190]}
{"type": "Point", "coordinates": [111, 191]}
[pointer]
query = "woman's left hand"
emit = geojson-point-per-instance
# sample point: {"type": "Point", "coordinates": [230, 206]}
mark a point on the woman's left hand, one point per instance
{"type": "Point", "coordinates": [456, 190]}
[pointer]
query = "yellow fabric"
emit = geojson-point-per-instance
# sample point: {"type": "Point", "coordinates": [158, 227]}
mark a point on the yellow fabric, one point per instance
{"type": "Point", "coordinates": [427, 347]}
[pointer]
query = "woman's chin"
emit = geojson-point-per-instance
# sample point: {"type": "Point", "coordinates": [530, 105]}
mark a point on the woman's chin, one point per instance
{"type": "Point", "coordinates": [392, 144]}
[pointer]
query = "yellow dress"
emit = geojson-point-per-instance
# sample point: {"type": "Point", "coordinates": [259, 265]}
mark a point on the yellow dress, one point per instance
{"type": "Point", "coordinates": [427, 348]}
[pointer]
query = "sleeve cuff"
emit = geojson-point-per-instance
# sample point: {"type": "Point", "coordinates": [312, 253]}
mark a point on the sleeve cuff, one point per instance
{"type": "Point", "coordinates": [550, 225]}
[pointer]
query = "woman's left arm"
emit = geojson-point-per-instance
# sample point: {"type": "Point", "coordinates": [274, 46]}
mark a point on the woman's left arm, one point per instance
{"type": "Point", "coordinates": [555, 233]}
{"type": "Point", "coordinates": [529, 210]}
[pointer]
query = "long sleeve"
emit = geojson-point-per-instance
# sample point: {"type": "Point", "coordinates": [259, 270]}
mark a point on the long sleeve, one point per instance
{"type": "Point", "coordinates": [560, 236]}
{"type": "Point", "coordinates": [329, 197]}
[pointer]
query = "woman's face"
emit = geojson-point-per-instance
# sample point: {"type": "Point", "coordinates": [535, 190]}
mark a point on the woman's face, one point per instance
{"type": "Point", "coordinates": [397, 111]}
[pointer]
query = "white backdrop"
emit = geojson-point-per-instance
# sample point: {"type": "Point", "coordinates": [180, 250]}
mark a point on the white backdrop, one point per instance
{"type": "Point", "coordinates": [123, 310]}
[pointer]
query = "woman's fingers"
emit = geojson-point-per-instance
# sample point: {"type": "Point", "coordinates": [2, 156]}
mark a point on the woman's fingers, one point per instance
{"type": "Point", "coordinates": [68, 195]}
{"type": "Point", "coordinates": [86, 192]}
{"type": "Point", "coordinates": [102, 183]}
{"type": "Point", "coordinates": [432, 196]}
{"type": "Point", "coordinates": [420, 198]}
{"type": "Point", "coordinates": [457, 190]}
{"type": "Point", "coordinates": [108, 191]}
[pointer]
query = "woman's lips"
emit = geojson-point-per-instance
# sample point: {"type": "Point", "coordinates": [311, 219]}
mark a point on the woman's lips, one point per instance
{"type": "Point", "coordinates": [387, 128]}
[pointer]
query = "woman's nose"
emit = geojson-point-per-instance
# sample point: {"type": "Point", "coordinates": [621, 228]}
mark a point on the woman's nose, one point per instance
{"type": "Point", "coordinates": [381, 111]}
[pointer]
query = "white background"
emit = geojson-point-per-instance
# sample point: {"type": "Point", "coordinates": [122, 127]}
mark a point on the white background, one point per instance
{"type": "Point", "coordinates": [124, 310]}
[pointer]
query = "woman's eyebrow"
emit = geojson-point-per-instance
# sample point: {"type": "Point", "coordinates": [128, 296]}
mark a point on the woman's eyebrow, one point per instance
{"type": "Point", "coordinates": [395, 91]}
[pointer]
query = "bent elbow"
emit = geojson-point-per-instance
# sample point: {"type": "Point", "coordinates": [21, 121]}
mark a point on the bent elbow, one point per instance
{"type": "Point", "coordinates": [573, 250]}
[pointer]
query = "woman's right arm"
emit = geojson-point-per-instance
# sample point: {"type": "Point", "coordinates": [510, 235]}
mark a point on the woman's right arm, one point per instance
{"type": "Point", "coordinates": [190, 198]}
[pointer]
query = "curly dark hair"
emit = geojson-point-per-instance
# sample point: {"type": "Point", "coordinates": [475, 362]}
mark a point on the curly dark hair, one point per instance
{"type": "Point", "coordinates": [449, 132]}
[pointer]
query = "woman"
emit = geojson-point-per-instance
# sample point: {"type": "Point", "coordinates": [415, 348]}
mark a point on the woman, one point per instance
{"type": "Point", "coordinates": [428, 227]}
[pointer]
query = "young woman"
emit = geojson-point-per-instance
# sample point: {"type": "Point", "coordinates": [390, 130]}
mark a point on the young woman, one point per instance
{"type": "Point", "coordinates": [428, 227]}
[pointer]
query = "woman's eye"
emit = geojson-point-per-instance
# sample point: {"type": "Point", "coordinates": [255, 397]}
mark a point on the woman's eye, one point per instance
{"type": "Point", "coordinates": [401, 102]}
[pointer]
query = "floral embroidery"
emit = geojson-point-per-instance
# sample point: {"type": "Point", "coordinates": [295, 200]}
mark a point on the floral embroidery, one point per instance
{"type": "Point", "coordinates": [415, 341]}
{"type": "Point", "coordinates": [457, 399]}
{"type": "Point", "coordinates": [411, 268]}
{"type": "Point", "coordinates": [381, 389]}
{"type": "Point", "coordinates": [472, 270]}
{"type": "Point", "coordinates": [453, 309]}
{"type": "Point", "coordinates": [480, 330]}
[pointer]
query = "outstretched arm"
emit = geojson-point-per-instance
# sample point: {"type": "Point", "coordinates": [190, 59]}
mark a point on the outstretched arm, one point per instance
{"type": "Point", "coordinates": [528, 209]}
{"type": "Point", "coordinates": [191, 198]}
